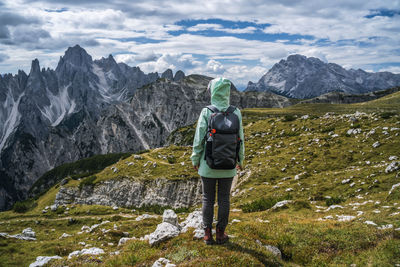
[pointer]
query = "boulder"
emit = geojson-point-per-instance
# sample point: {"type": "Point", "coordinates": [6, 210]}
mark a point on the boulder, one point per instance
{"type": "Point", "coordinates": [170, 216]}
{"type": "Point", "coordinates": [194, 219]}
{"type": "Point", "coordinates": [161, 262]}
{"type": "Point", "coordinates": [54, 207]}
{"type": "Point", "coordinates": [163, 232]}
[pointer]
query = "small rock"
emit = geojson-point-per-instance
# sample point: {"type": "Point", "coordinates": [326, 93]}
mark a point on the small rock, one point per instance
{"type": "Point", "coordinates": [115, 208]}
{"type": "Point", "coordinates": [137, 157]}
{"type": "Point", "coordinates": [86, 251]}
{"type": "Point", "coordinates": [385, 227]}
{"type": "Point", "coordinates": [281, 204]}
{"type": "Point", "coordinates": [376, 144]}
{"type": "Point", "coordinates": [394, 187]}
{"type": "Point", "coordinates": [64, 235]}
{"type": "Point", "coordinates": [235, 220]}
{"type": "Point", "coordinates": [28, 232]}
{"type": "Point", "coordinates": [145, 216]}
{"type": "Point", "coordinates": [163, 262]}
{"type": "Point", "coordinates": [345, 181]}
{"type": "Point", "coordinates": [123, 240]}
{"type": "Point", "coordinates": [42, 260]}
{"type": "Point", "coordinates": [370, 223]}
{"type": "Point", "coordinates": [304, 117]}
{"type": "Point", "coordinates": [345, 218]}
{"type": "Point", "coordinates": [54, 207]}
{"type": "Point", "coordinates": [274, 250]}
{"type": "Point", "coordinates": [393, 166]}
{"type": "Point", "coordinates": [300, 176]}
{"type": "Point", "coordinates": [331, 207]}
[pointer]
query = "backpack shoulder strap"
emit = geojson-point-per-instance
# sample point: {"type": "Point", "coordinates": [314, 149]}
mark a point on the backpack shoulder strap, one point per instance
{"type": "Point", "coordinates": [213, 108]}
{"type": "Point", "coordinates": [230, 109]}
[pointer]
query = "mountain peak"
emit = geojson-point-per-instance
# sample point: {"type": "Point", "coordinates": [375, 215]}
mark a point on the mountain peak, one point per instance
{"type": "Point", "coordinates": [35, 67]}
{"type": "Point", "coordinates": [76, 56]}
{"type": "Point", "coordinates": [305, 77]}
{"type": "Point", "coordinates": [296, 57]}
{"type": "Point", "coordinates": [168, 74]}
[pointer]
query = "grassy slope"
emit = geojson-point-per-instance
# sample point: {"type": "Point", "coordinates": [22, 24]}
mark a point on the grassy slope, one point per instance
{"type": "Point", "coordinates": [303, 239]}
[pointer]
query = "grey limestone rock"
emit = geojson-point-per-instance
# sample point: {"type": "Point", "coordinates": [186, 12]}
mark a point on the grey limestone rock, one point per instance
{"type": "Point", "coordinates": [43, 260]}
{"type": "Point", "coordinates": [130, 193]}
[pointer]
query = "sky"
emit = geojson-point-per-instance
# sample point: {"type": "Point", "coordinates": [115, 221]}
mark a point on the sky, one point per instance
{"type": "Point", "coordinates": [240, 40]}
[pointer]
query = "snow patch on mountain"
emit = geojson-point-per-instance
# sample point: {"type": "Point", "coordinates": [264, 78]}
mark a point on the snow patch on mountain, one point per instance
{"type": "Point", "coordinates": [60, 106]}
{"type": "Point", "coordinates": [12, 119]}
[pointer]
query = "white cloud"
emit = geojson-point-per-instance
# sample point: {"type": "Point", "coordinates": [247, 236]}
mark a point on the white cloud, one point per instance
{"type": "Point", "coordinates": [393, 69]}
{"type": "Point", "coordinates": [173, 61]}
{"type": "Point", "coordinates": [215, 66]}
{"type": "Point", "coordinates": [219, 27]}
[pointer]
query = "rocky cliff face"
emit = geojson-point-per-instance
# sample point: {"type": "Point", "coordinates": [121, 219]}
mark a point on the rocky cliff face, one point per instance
{"type": "Point", "coordinates": [302, 77]}
{"type": "Point", "coordinates": [48, 117]}
{"type": "Point", "coordinates": [130, 193]}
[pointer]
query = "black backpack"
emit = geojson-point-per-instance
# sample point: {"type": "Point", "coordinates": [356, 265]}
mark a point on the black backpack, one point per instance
{"type": "Point", "coordinates": [222, 139]}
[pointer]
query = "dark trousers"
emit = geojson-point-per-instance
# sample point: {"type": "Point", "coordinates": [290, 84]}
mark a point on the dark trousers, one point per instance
{"type": "Point", "coordinates": [224, 192]}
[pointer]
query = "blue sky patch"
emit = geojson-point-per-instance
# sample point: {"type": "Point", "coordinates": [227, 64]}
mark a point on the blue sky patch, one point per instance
{"type": "Point", "coordinates": [382, 13]}
{"type": "Point", "coordinates": [225, 26]}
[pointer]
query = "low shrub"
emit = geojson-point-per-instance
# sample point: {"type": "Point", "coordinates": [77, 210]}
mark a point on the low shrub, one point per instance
{"type": "Point", "coordinates": [87, 181]}
{"type": "Point", "coordinates": [334, 200]}
{"type": "Point", "coordinates": [171, 159]}
{"type": "Point", "coordinates": [289, 117]}
{"type": "Point", "coordinates": [301, 204]}
{"type": "Point", "coordinates": [24, 206]}
{"type": "Point", "coordinates": [387, 115]}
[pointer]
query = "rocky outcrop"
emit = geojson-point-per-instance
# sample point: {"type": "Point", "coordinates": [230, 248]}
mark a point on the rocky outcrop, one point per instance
{"type": "Point", "coordinates": [130, 193]}
{"type": "Point", "coordinates": [302, 77]}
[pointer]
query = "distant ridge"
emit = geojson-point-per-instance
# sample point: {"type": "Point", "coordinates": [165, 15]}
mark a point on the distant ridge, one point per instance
{"type": "Point", "coordinates": [305, 77]}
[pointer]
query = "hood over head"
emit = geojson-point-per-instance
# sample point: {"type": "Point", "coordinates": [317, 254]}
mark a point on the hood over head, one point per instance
{"type": "Point", "coordinates": [220, 89]}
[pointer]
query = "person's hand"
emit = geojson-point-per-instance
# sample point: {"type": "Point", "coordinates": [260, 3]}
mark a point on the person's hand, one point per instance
{"type": "Point", "coordinates": [239, 167]}
{"type": "Point", "coordinates": [196, 167]}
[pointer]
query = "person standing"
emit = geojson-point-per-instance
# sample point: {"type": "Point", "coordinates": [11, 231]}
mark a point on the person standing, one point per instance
{"type": "Point", "coordinates": [218, 151]}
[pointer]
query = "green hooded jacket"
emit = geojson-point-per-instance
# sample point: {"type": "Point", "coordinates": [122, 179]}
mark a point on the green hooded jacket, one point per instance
{"type": "Point", "coordinates": [220, 91]}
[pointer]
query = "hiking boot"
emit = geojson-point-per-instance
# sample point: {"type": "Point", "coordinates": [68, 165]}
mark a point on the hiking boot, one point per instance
{"type": "Point", "coordinates": [208, 238]}
{"type": "Point", "coordinates": [221, 237]}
